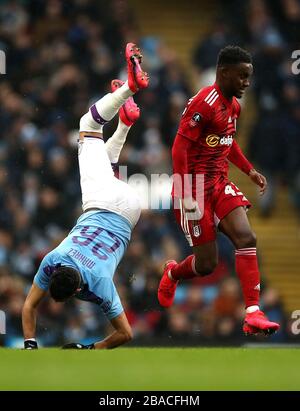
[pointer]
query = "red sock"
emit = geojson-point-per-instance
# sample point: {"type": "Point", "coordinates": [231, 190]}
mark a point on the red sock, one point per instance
{"type": "Point", "coordinates": [185, 270]}
{"type": "Point", "coordinates": [247, 269]}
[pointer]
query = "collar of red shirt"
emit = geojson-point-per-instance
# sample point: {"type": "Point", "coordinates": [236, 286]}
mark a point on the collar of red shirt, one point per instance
{"type": "Point", "coordinates": [224, 100]}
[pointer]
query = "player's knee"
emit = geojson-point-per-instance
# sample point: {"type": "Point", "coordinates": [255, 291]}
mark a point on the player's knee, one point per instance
{"type": "Point", "coordinates": [205, 267]}
{"type": "Point", "coordinates": [246, 240]}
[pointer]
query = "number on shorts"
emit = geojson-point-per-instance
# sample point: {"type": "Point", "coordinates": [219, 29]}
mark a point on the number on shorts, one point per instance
{"type": "Point", "coordinates": [230, 190]}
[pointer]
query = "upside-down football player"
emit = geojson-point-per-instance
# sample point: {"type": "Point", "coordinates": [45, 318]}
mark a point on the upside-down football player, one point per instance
{"type": "Point", "coordinates": [203, 145]}
{"type": "Point", "coordinates": [84, 263]}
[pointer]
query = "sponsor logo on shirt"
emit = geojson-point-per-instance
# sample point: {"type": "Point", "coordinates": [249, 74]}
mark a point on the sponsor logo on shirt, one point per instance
{"type": "Point", "coordinates": [106, 306]}
{"type": "Point", "coordinates": [195, 119]}
{"type": "Point", "coordinates": [226, 141]}
{"type": "Point", "coordinates": [49, 269]}
{"type": "Point", "coordinates": [213, 140]}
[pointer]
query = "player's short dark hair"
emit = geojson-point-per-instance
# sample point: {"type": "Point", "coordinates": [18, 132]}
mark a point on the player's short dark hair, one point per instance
{"type": "Point", "coordinates": [63, 283]}
{"type": "Point", "coordinates": [233, 55]}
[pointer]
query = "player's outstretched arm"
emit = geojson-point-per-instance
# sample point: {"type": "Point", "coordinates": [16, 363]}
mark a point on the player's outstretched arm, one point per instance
{"type": "Point", "coordinates": [237, 157]}
{"type": "Point", "coordinates": [122, 334]}
{"type": "Point", "coordinates": [182, 187]}
{"type": "Point", "coordinates": [32, 301]}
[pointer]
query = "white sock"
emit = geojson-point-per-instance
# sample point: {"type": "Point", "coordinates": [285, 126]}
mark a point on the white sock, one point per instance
{"type": "Point", "coordinates": [252, 309]}
{"type": "Point", "coordinates": [104, 109]}
{"type": "Point", "coordinates": [124, 91]}
{"type": "Point", "coordinates": [116, 142]}
{"type": "Point", "coordinates": [110, 104]}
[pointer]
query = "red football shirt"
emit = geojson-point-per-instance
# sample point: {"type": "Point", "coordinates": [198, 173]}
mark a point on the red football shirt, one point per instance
{"type": "Point", "coordinates": [209, 123]}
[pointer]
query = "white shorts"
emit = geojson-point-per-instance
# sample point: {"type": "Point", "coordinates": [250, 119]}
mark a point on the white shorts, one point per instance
{"type": "Point", "coordinates": [100, 188]}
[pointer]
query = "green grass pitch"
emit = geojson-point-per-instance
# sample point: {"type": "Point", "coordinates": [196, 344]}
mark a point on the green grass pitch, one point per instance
{"type": "Point", "coordinates": [151, 369]}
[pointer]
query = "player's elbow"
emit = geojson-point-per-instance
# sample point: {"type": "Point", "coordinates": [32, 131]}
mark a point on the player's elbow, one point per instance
{"type": "Point", "coordinates": [179, 145]}
{"type": "Point", "coordinates": [27, 307]}
{"type": "Point", "coordinates": [127, 336]}
{"type": "Point", "coordinates": [179, 157]}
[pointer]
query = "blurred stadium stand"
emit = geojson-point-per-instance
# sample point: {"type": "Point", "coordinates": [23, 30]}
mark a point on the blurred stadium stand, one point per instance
{"type": "Point", "coordinates": [61, 57]}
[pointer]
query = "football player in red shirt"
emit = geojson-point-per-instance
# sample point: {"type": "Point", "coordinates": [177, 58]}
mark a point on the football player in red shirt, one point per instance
{"type": "Point", "coordinates": [203, 145]}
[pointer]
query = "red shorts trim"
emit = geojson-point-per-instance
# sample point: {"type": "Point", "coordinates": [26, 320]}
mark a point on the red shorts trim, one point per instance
{"type": "Point", "coordinates": [217, 204]}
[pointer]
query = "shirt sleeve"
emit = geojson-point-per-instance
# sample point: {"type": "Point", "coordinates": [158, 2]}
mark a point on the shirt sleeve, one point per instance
{"type": "Point", "coordinates": [111, 305]}
{"type": "Point", "coordinates": [237, 158]}
{"type": "Point", "coordinates": [181, 185]}
{"type": "Point", "coordinates": [42, 277]}
{"type": "Point", "coordinates": [194, 119]}
{"type": "Point", "coordinates": [237, 108]}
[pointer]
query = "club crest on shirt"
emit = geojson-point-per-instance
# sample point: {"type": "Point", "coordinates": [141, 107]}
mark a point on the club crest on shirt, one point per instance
{"type": "Point", "coordinates": [195, 119]}
{"type": "Point", "coordinates": [197, 231]}
{"type": "Point", "coordinates": [106, 306]}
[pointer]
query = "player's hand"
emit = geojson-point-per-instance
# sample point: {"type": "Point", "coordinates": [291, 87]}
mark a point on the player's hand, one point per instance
{"type": "Point", "coordinates": [30, 345]}
{"type": "Point", "coordinates": [191, 208]}
{"type": "Point", "coordinates": [259, 180]}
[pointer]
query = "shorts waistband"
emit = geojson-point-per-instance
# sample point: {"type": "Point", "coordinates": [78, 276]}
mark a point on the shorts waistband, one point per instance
{"type": "Point", "coordinates": [90, 136]}
{"type": "Point", "coordinates": [92, 209]}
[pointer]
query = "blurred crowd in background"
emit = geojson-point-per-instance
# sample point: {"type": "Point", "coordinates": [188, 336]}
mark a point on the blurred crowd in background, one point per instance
{"type": "Point", "coordinates": [61, 57]}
